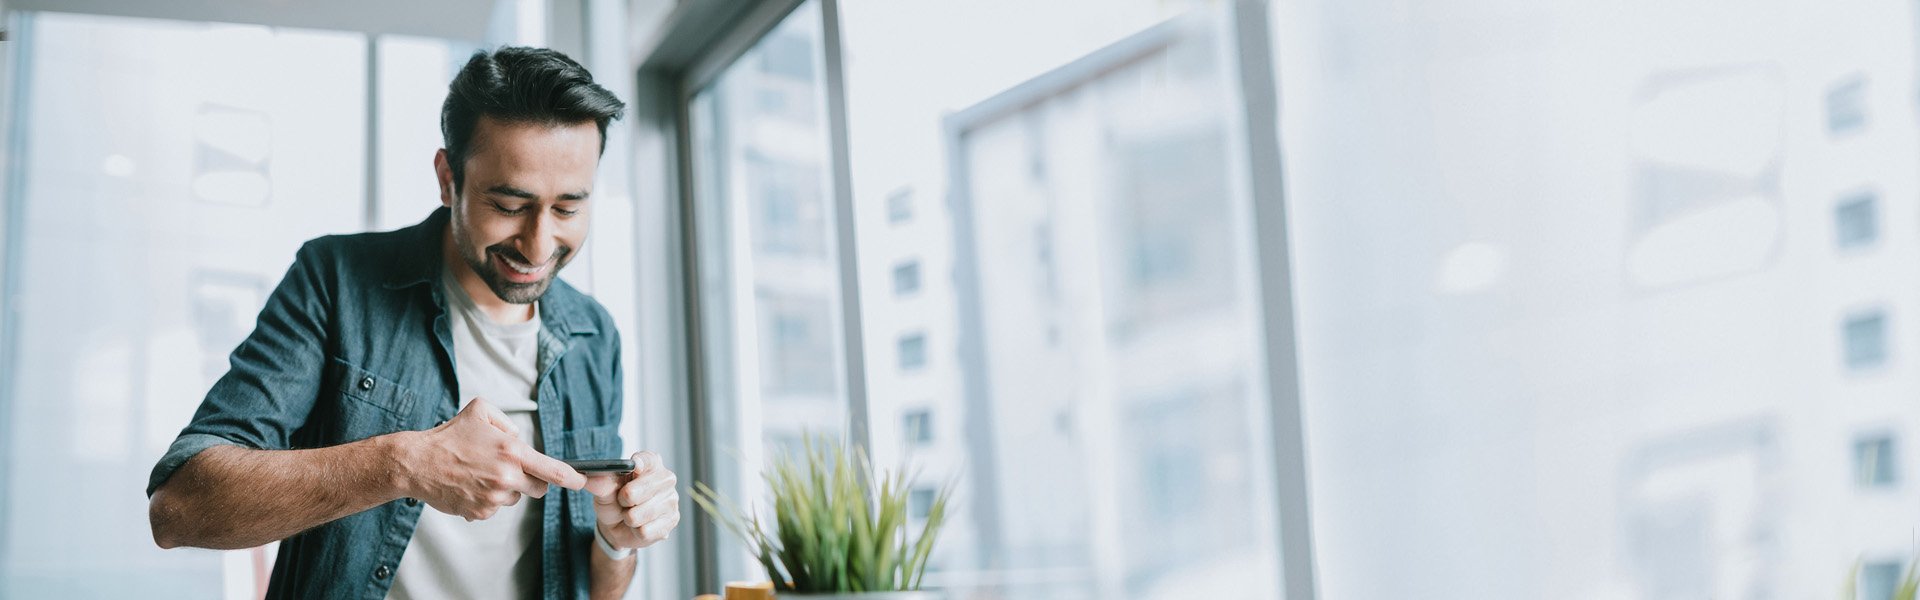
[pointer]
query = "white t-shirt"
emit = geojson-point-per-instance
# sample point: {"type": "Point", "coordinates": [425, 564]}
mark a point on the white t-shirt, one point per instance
{"type": "Point", "coordinates": [449, 557]}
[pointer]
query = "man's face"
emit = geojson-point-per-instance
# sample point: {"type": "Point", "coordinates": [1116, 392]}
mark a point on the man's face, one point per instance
{"type": "Point", "coordinates": [522, 211]}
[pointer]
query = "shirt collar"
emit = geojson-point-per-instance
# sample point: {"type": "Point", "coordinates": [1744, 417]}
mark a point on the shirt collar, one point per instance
{"type": "Point", "coordinates": [562, 307]}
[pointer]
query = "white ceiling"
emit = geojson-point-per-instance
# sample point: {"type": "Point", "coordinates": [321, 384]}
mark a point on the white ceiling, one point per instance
{"type": "Point", "coordinates": [452, 19]}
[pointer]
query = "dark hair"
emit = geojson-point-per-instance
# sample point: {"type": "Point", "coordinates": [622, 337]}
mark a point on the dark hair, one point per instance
{"type": "Point", "coordinates": [521, 85]}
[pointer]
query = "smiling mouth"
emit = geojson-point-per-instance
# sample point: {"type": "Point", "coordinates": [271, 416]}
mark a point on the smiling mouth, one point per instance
{"type": "Point", "coordinates": [522, 272]}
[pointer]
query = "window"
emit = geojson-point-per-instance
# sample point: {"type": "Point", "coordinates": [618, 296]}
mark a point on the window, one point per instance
{"type": "Point", "coordinates": [920, 502]}
{"type": "Point", "coordinates": [798, 356]}
{"type": "Point", "coordinates": [913, 351]}
{"type": "Point", "coordinates": [1625, 415]}
{"type": "Point", "coordinates": [906, 278]}
{"type": "Point", "coordinates": [1874, 462]}
{"type": "Point", "coordinates": [918, 426]}
{"type": "Point", "coordinates": [789, 202]}
{"type": "Point", "coordinates": [1847, 106]}
{"type": "Point", "coordinates": [768, 276]}
{"type": "Point", "coordinates": [1880, 579]}
{"type": "Point", "coordinates": [413, 77]}
{"type": "Point", "coordinates": [170, 171]}
{"type": "Point", "coordinates": [900, 206]}
{"type": "Point", "coordinates": [1865, 336]}
{"type": "Point", "coordinates": [1856, 221]}
{"type": "Point", "coordinates": [1085, 195]}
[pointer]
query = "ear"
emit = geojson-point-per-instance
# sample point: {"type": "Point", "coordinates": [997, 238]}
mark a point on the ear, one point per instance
{"type": "Point", "coordinates": [444, 173]}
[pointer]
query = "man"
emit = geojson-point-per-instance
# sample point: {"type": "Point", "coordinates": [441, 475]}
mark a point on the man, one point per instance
{"type": "Point", "coordinates": [403, 390]}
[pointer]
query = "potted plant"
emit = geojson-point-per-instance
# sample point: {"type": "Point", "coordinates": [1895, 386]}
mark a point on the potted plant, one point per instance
{"type": "Point", "coordinates": [839, 529]}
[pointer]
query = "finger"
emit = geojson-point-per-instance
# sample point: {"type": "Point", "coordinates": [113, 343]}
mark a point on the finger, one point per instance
{"type": "Point", "coordinates": [659, 528]}
{"type": "Point", "coordinates": [529, 485]}
{"type": "Point", "coordinates": [549, 469]}
{"type": "Point", "coordinates": [653, 509]}
{"type": "Point", "coordinates": [608, 514]}
{"type": "Point", "coordinates": [602, 486]}
{"type": "Point", "coordinates": [644, 462]}
{"type": "Point", "coordinates": [633, 494]}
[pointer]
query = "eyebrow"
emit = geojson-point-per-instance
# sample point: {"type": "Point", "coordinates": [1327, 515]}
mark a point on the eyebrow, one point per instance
{"type": "Point", "coordinates": [508, 190]}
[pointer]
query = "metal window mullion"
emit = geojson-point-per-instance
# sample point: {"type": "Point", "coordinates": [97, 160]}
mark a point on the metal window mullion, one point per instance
{"type": "Point", "coordinates": [370, 207]}
{"type": "Point", "coordinates": [853, 355]}
{"type": "Point", "coordinates": [13, 196]}
{"type": "Point", "coordinates": [709, 55]}
{"type": "Point", "coordinates": [1259, 107]}
{"type": "Point", "coordinates": [706, 543]}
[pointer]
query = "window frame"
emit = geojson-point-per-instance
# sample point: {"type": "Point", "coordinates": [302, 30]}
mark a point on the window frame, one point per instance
{"type": "Point", "coordinates": [696, 44]}
{"type": "Point", "coordinates": [15, 66]}
{"type": "Point", "coordinates": [697, 41]}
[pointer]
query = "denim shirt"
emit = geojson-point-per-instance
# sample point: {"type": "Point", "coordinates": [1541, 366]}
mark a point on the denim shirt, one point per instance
{"type": "Point", "coordinates": [355, 343]}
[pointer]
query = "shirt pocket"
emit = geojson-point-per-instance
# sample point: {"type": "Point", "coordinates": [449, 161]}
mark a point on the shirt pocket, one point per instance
{"type": "Point", "coordinates": [370, 404]}
{"type": "Point", "coordinates": [598, 441]}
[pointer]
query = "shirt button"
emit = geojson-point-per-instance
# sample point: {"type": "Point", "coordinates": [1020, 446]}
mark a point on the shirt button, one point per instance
{"type": "Point", "coordinates": [366, 384]}
{"type": "Point", "coordinates": [413, 502]}
{"type": "Point", "coordinates": [382, 573]}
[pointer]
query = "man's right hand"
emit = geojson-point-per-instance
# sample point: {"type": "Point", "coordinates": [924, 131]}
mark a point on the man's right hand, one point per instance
{"type": "Point", "coordinates": [474, 463]}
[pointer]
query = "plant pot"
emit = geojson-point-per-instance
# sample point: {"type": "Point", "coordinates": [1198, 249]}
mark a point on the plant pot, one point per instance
{"type": "Point", "coordinates": [920, 595]}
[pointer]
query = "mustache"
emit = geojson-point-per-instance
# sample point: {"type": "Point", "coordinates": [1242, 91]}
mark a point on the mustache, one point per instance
{"type": "Point", "coordinates": [559, 253]}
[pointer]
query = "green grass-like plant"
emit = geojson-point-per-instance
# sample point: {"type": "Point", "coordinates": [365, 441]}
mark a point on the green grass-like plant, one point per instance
{"type": "Point", "coordinates": [834, 530]}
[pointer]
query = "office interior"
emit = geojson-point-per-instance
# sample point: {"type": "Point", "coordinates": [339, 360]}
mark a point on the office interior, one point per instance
{"type": "Point", "coordinates": [1342, 299]}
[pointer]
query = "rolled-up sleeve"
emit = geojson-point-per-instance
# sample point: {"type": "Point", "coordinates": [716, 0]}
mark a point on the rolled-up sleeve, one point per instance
{"type": "Point", "coordinates": [274, 375]}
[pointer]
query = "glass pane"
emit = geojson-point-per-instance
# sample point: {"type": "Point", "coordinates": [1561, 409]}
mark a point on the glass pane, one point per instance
{"type": "Point", "coordinates": [768, 277]}
{"type": "Point", "coordinates": [170, 172]}
{"type": "Point", "coordinates": [1080, 352]}
{"type": "Point", "coordinates": [1874, 462]}
{"type": "Point", "coordinates": [1879, 580]}
{"type": "Point", "coordinates": [1856, 220]}
{"type": "Point", "coordinates": [1573, 318]}
{"type": "Point", "coordinates": [413, 75]}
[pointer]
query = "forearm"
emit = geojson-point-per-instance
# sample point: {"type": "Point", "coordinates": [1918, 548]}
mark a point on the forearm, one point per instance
{"type": "Point", "coordinates": [609, 577]}
{"type": "Point", "coordinates": [234, 497]}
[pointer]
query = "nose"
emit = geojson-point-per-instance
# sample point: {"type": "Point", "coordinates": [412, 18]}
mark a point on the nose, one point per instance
{"type": "Point", "coordinates": [537, 243]}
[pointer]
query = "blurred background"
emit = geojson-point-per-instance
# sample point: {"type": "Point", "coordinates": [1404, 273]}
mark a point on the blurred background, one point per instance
{"type": "Point", "coordinates": [1344, 299]}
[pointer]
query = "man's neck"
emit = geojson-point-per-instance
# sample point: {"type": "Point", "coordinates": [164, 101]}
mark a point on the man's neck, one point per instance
{"type": "Point", "coordinates": [496, 310]}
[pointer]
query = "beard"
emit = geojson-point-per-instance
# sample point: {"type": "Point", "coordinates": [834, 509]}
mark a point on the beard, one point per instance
{"type": "Point", "coordinates": [481, 261]}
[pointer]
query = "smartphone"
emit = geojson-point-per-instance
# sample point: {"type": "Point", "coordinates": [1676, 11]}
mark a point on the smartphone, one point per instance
{"type": "Point", "coordinates": [601, 465]}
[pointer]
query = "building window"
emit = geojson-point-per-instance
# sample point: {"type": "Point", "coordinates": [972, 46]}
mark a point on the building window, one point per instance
{"type": "Point", "coordinates": [1874, 465]}
{"type": "Point", "coordinates": [1856, 221]}
{"type": "Point", "coordinates": [1866, 340]}
{"type": "Point", "coordinates": [913, 351]}
{"type": "Point", "coordinates": [789, 206]}
{"type": "Point", "coordinates": [920, 502]}
{"type": "Point", "coordinates": [1847, 106]}
{"type": "Point", "coordinates": [900, 206]}
{"type": "Point", "coordinates": [1879, 579]}
{"type": "Point", "coordinates": [906, 278]}
{"type": "Point", "coordinates": [798, 356]}
{"type": "Point", "coordinates": [918, 426]}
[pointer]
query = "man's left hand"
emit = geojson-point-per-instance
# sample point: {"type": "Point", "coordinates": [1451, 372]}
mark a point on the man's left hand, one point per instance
{"type": "Point", "coordinates": [637, 509]}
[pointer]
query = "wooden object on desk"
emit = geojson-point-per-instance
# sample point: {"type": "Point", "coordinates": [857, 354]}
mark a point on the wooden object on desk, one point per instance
{"type": "Point", "coordinates": [741, 590]}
